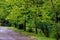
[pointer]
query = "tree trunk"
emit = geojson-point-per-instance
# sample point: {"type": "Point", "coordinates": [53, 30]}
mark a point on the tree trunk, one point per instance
{"type": "Point", "coordinates": [24, 26]}
{"type": "Point", "coordinates": [46, 32]}
{"type": "Point", "coordinates": [35, 18]}
{"type": "Point", "coordinates": [35, 23]}
{"type": "Point", "coordinates": [55, 19]}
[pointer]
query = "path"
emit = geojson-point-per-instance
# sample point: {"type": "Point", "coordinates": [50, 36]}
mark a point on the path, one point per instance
{"type": "Point", "coordinates": [6, 34]}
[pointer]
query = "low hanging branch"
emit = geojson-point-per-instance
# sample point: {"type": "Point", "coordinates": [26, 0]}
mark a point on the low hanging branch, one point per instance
{"type": "Point", "coordinates": [55, 19]}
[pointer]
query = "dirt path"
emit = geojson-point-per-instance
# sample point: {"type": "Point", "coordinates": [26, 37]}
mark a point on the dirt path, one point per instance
{"type": "Point", "coordinates": [6, 34]}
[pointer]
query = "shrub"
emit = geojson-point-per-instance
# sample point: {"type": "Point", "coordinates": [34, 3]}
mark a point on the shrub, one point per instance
{"type": "Point", "coordinates": [20, 26]}
{"type": "Point", "coordinates": [30, 29]}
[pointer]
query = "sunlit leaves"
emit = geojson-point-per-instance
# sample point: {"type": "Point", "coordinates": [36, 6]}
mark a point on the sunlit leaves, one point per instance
{"type": "Point", "coordinates": [17, 10]}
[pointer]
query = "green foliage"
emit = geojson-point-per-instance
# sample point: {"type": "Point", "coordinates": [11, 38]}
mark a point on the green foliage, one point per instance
{"type": "Point", "coordinates": [17, 11]}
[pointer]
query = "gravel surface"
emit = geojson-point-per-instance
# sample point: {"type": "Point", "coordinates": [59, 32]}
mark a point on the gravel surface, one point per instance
{"type": "Point", "coordinates": [6, 34]}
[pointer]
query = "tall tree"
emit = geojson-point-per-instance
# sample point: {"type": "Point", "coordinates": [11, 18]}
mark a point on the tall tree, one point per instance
{"type": "Point", "coordinates": [35, 16]}
{"type": "Point", "coordinates": [55, 19]}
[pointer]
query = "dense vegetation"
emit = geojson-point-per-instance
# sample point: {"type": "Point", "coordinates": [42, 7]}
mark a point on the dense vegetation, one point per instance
{"type": "Point", "coordinates": [32, 15]}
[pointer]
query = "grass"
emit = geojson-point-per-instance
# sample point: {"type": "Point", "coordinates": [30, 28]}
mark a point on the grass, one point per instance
{"type": "Point", "coordinates": [37, 36]}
